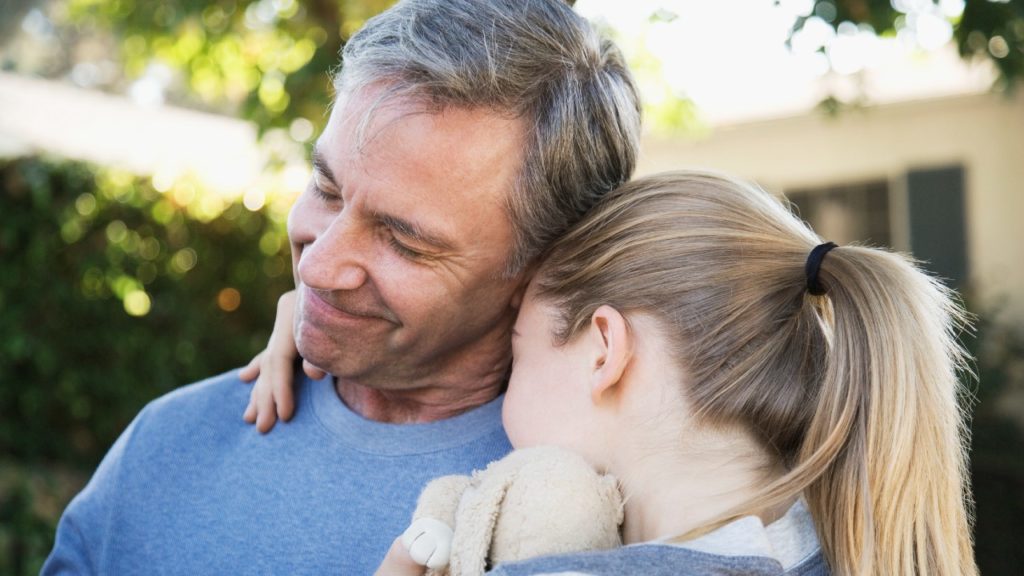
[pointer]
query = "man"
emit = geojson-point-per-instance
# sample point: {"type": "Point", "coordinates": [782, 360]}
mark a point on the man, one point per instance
{"type": "Point", "coordinates": [465, 136]}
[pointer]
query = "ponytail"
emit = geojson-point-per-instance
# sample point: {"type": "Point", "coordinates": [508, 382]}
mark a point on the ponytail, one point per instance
{"type": "Point", "coordinates": [893, 497]}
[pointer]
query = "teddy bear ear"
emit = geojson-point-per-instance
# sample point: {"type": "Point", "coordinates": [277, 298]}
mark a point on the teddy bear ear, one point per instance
{"type": "Point", "coordinates": [475, 520]}
{"type": "Point", "coordinates": [613, 495]}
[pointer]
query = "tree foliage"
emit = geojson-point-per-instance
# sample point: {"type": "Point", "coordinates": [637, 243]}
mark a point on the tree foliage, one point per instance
{"type": "Point", "coordinates": [263, 60]}
{"type": "Point", "coordinates": [990, 30]}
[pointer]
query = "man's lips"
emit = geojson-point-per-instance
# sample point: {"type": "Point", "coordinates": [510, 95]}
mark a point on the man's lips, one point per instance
{"type": "Point", "coordinates": [321, 305]}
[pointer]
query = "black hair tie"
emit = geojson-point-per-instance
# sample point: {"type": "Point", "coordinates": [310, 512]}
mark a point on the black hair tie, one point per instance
{"type": "Point", "coordinates": [813, 266]}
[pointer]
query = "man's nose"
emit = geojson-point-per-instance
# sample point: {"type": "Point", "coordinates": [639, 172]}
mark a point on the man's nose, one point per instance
{"type": "Point", "coordinates": [336, 257]}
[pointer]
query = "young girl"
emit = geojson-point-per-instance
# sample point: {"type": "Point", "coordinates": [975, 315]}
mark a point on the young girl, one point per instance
{"type": "Point", "coordinates": [763, 397]}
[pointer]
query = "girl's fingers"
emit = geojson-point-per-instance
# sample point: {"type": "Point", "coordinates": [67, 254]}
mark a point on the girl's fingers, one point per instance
{"type": "Point", "coordinates": [284, 395]}
{"type": "Point", "coordinates": [265, 422]}
{"type": "Point", "coordinates": [251, 370]}
{"type": "Point", "coordinates": [267, 415]}
{"type": "Point", "coordinates": [250, 412]}
{"type": "Point", "coordinates": [272, 396]}
{"type": "Point", "coordinates": [312, 371]}
{"type": "Point", "coordinates": [398, 562]}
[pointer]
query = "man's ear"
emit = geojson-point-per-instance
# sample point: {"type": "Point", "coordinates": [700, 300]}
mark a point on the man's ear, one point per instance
{"type": "Point", "coordinates": [612, 344]}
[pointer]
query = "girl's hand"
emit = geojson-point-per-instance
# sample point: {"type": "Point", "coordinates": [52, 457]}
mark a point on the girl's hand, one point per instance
{"type": "Point", "coordinates": [272, 396]}
{"type": "Point", "coordinates": [399, 562]}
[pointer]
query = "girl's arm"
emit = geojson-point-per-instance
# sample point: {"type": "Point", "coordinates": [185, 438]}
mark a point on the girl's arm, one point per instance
{"type": "Point", "coordinates": [399, 562]}
{"type": "Point", "coordinates": [272, 396]}
{"type": "Point", "coordinates": [426, 543]}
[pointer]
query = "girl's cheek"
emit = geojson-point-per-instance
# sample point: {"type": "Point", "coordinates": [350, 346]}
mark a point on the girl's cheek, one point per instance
{"type": "Point", "coordinates": [514, 416]}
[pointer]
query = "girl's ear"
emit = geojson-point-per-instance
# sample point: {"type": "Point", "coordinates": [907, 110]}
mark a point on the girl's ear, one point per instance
{"type": "Point", "coordinates": [611, 343]}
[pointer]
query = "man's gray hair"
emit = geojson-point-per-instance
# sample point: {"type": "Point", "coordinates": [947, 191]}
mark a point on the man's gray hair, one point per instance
{"type": "Point", "coordinates": [536, 60]}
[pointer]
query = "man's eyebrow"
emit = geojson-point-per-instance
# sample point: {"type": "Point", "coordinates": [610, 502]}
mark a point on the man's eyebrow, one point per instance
{"type": "Point", "coordinates": [413, 231]}
{"type": "Point", "coordinates": [320, 165]}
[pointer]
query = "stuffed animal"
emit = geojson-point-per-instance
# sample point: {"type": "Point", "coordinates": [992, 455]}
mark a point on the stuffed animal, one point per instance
{"type": "Point", "coordinates": [533, 502]}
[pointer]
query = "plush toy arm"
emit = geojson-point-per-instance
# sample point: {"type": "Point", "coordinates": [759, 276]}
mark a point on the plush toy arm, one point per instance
{"type": "Point", "coordinates": [429, 542]}
{"type": "Point", "coordinates": [428, 539]}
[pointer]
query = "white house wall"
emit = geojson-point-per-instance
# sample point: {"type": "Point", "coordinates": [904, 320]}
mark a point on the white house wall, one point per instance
{"type": "Point", "coordinates": [982, 132]}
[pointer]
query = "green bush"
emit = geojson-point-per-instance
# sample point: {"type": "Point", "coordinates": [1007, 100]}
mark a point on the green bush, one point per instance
{"type": "Point", "coordinates": [111, 294]}
{"type": "Point", "coordinates": [79, 256]}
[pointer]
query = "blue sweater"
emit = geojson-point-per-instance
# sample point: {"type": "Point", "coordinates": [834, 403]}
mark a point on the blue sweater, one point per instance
{"type": "Point", "coordinates": [189, 488]}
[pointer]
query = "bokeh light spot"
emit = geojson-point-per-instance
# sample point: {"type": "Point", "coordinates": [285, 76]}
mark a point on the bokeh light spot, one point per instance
{"type": "Point", "coordinates": [71, 231]}
{"type": "Point", "coordinates": [163, 212]}
{"type": "Point", "coordinates": [137, 303]}
{"type": "Point", "coordinates": [270, 243]}
{"type": "Point", "coordinates": [933, 31]}
{"type": "Point", "coordinates": [301, 130]}
{"type": "Point", "coordinates": [826, 11]}
{"type": "Point", "coordinates": [998, 46]}
{"type": "Point", "coordinates": [271, 89]}
{"type": "Point", "coordinates": [184, 194]}
{"type": "Point", "coordinates": [162, 181]}
{"type": "Point", "coordinates": [116, 232]}
{"type": "Point", "coordinates": [209, 207]}
{"type": "Point", "coordinates": [254, 200]}
{"type": "Point", "coordinates": [229, 299]}
{"type": "Point", "coordinates": [184, 260]}
{"type": "Point", "coordinates": [85, 204]}
{"type": "Point", "coordinates": [149, 248]}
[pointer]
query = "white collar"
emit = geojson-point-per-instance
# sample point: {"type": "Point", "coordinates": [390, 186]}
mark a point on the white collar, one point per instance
{"type": "Point", "coordinates": [789, 540]}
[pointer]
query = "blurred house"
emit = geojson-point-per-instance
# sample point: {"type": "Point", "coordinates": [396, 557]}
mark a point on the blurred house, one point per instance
{"type": "Point", "coordinates": [40, 116]}
{"type": "Point", "coordinates": [933, 165]}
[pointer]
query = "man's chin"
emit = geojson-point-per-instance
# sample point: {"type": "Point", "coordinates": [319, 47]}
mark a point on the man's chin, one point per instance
{"type": "Point", "coordinates": [315, 353]}
{"type": "Point", "coordinates": [328, 362]}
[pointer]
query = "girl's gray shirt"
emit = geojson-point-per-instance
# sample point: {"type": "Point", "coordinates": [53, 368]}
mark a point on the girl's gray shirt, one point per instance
{"type": "Point", "coordinates": [788, 546]}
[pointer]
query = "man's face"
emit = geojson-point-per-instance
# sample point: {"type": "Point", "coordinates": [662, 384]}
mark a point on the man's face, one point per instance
{"type": "Point", "coordinates": [400, 239]}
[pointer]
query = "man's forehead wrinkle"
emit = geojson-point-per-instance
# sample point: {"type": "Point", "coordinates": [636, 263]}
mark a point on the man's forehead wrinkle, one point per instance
{"type": "Point", "coordinates": [376, 139]}
{"type": "Point", "coordinates": [386, 101]}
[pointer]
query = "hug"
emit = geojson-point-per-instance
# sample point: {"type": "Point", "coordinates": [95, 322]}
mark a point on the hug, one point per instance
{"type": "Point", "coordinates": [476, 272]}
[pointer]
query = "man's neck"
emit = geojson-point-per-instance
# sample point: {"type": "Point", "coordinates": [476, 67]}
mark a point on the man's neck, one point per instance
{"type": "Point", "coordinates": [466, 377]}
{"type": "Point", "coordinates": [418, 405]}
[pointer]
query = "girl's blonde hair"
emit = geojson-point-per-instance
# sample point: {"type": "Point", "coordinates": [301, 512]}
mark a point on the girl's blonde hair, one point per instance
{"type": "Point", "coordinates": [856, 392]}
